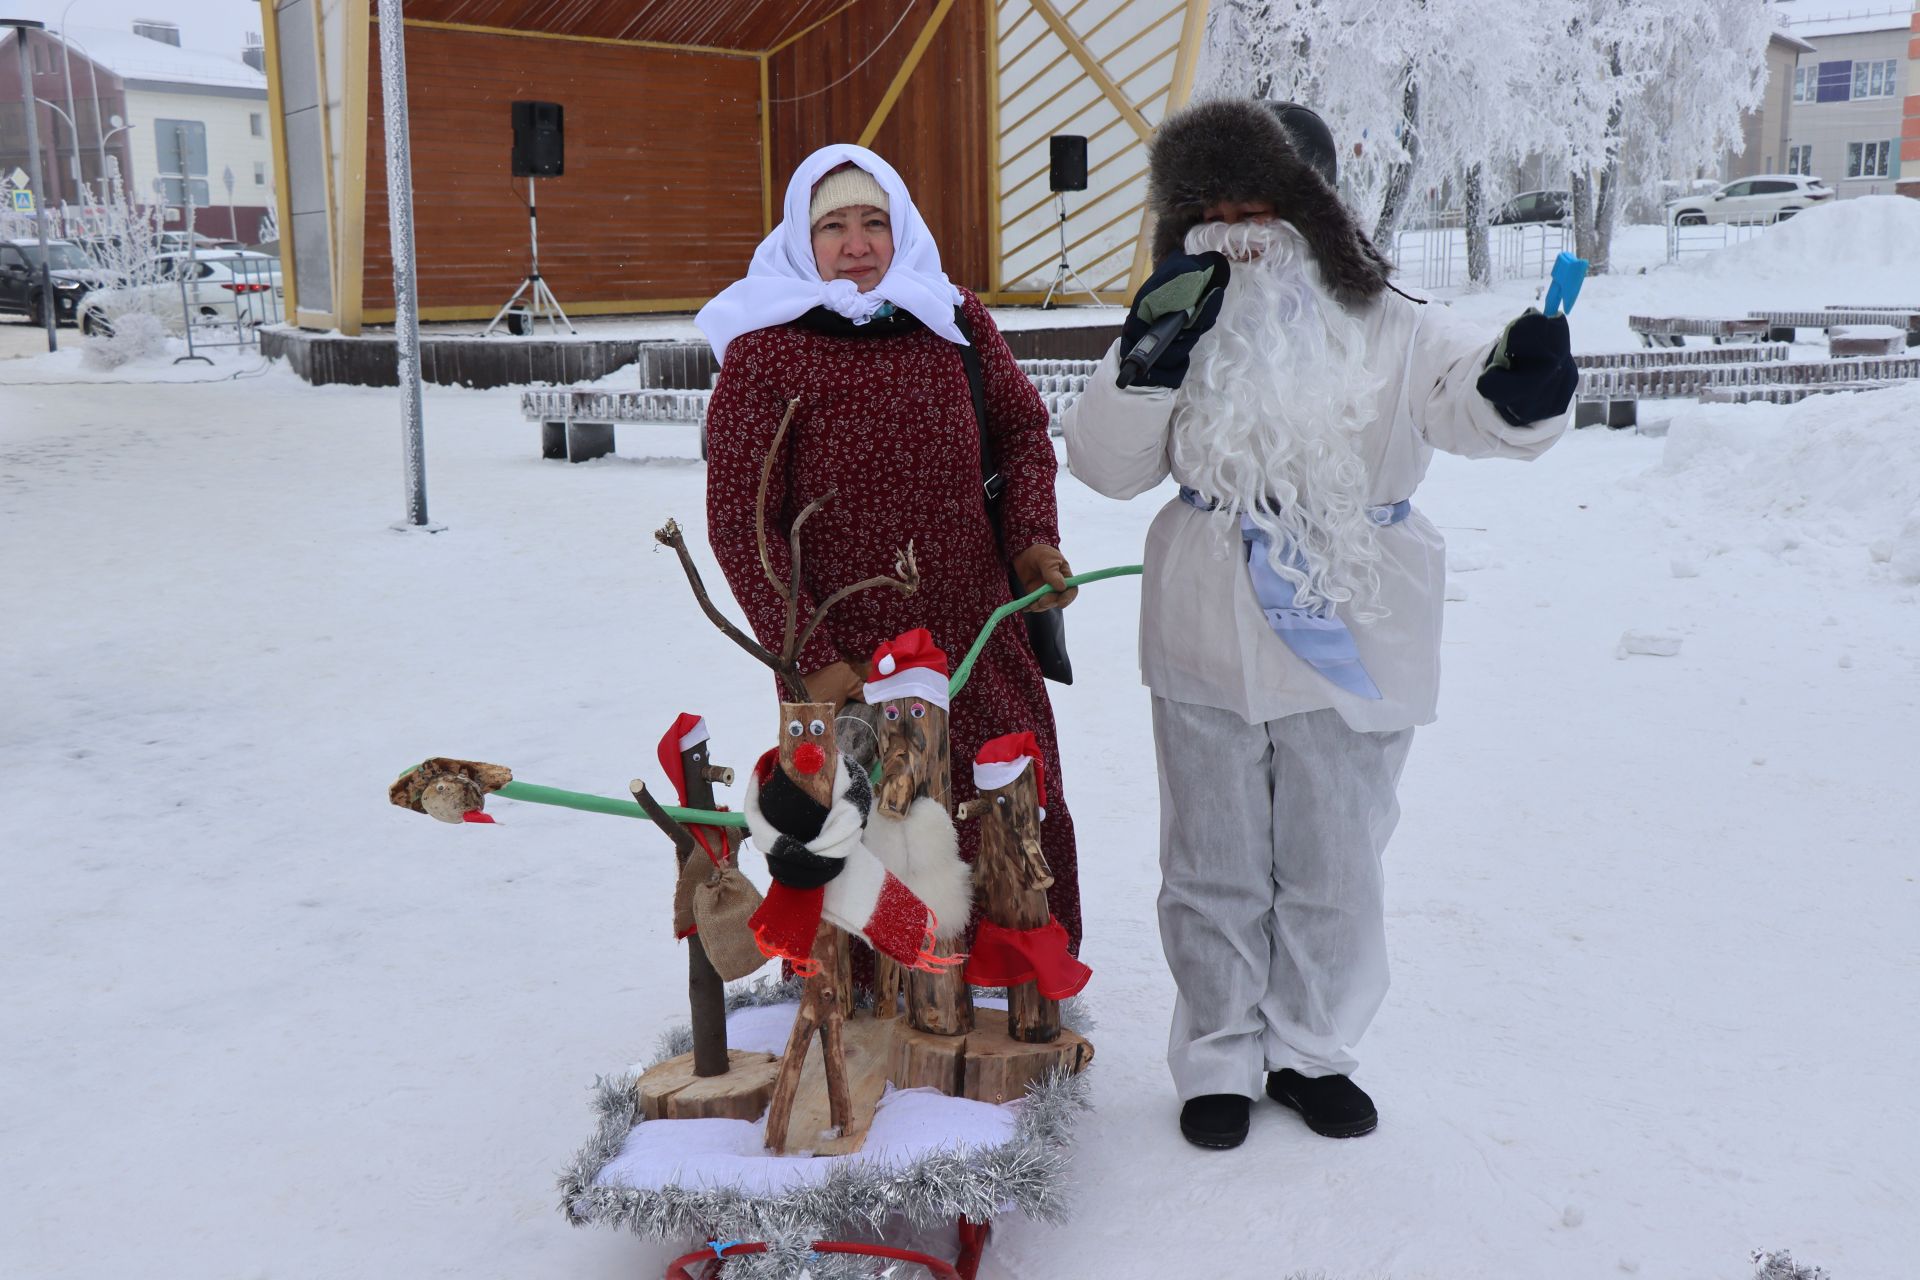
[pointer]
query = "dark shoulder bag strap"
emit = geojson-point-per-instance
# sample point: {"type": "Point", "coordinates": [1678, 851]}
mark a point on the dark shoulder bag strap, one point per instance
{"type": "Point", "coordinates": [992, 483]}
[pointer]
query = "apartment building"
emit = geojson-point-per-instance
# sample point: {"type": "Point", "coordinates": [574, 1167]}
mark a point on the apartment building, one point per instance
{"type": "Point", "coordinates": [1849, 93]}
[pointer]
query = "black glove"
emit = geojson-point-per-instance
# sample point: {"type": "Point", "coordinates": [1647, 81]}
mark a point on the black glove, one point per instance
{"type": "Point", "coordinates": [797, 867]}
{"type": "Point", "coordinates": [1531, 375]}
{"type": "Point", "coordinates": [1181, 283]}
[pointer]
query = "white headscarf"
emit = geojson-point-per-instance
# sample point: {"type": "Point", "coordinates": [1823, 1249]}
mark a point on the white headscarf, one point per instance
{"type": "Point", "coordinates": [783, 282]}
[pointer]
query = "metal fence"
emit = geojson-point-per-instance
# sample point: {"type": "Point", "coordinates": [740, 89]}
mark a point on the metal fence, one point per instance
{"type": "Point", "coordinates": [1435, 256]}
{"type": "Point", "coordinates": [1710, 237]}
{"type": "Point", "coordinates": [226, 299]}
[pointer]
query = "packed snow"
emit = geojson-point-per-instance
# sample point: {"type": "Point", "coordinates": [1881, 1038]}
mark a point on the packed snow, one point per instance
{"type": "Point", "coordinates": [1652, 917]}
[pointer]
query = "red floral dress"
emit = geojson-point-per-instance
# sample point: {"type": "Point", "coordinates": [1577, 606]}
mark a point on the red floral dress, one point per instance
{"type": "Point", "coordinates": [888, 424]}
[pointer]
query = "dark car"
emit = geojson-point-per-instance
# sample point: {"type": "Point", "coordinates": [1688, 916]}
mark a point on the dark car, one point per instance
{"type": "Point", "coordinates": [1535, 206]}
{"type": "Point", "coordinates": [73, 273]}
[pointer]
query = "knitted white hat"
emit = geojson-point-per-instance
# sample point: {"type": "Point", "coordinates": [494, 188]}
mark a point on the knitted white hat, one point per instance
{"type": "Point", "coordinates": [845, 187]}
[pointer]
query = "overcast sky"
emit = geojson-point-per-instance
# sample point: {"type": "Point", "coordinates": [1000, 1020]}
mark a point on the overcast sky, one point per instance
{"type": "Point", "coordinates": [217, 26]}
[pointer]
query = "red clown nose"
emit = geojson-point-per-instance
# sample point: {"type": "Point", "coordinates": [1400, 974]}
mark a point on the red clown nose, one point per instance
{"type": "Point", "coordinates": [808, 758]}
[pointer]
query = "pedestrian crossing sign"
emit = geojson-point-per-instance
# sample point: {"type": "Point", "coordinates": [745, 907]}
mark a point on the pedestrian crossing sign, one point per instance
{"type": "Point", "coordinates": [23, 201]}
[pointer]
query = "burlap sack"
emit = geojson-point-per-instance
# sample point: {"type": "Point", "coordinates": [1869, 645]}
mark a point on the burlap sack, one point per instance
{"type": "Point", "coordinates": [723, 902]}
{"type": "Point", "coordinates": [693, 873]}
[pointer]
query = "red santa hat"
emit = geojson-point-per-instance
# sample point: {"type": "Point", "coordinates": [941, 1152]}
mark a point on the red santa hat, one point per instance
{"type": "Point", "coordinates": [688, 731]}
{"type": "Point", "coordinates": [910, 665]}
{"type": "Point", "coordinates": [1003, 759]}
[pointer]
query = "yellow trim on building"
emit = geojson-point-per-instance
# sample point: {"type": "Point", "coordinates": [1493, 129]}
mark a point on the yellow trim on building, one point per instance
{"type": "Point", "coordinates": [905, 73]}
{"type": "Point", "coordinates": [995, 268]}
{"type": "Point", "coordinates": [766, 145]}
{"type": "Point", "coordinates": [353, 204]}
{"type": "Point", "coordinates": [335, 273]}
{"type": "Point", "coordinates": [808, 30]}
{"type": "Point", "coordinates": [1192, 34]}
{"type": "Point", "coordinates": [282, 191]}
{"type": "Point", "coordinates": [1095, 72]}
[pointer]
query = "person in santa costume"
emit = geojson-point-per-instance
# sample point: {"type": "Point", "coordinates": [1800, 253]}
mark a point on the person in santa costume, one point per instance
{"type": "Point", "coordinates": [1290, 610]}
{"type": "Point", "coordinates": [845, 308]}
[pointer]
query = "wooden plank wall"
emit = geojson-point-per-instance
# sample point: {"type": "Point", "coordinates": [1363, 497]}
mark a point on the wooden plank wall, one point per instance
{"type": "Point", "coordinates": [936, 135]}
{"type": "Point", "coordinates": [660, 200]}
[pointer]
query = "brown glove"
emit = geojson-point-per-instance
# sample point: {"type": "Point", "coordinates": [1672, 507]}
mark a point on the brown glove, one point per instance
{"type": "Point", "coordinates": [838, 683]}
{"type": "Point", "coordinates": [1041, 565]}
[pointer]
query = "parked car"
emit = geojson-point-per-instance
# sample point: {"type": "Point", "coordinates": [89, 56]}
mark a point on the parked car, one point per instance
{"type": "Point", "coordinates": [1535, 206]}
{"type": "Point", "coordinates": [73, 274]}
{"type": "Point", "coordinates": [1766, 197]}
{"type": "Point", "coordinates": [223, 287]}
{"type": "Point", "coordinates": [176, 242]}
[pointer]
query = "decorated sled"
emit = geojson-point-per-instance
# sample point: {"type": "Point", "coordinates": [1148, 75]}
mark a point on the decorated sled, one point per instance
{"type": "Point", "coordinates": [930, 1102]}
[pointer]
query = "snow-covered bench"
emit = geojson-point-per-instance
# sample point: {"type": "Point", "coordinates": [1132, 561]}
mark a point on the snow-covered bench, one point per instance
{"type": "Point", "coordinates": [1664, 357]}
{"type": "Point", "coordinates": [1612, 396]}
{"type": "Point", "coordinates": [1673, 331]}
{"type": "Point", "coordinates": [1781, 324]}
{"type": "Point", "coordinates": [576, 423]}
{"type": "Point", "coordinates": [1783, 394]}
{"type": "Point", "coordinates": [1849, 340]}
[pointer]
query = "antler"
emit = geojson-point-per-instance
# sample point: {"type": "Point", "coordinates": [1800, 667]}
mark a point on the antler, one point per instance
{"type": "Point", "coordinates": [906, 581]}
{"type": "Point", "coordinates": [760, 511]}
{"type": "Point", "coordinates": [669, 535]}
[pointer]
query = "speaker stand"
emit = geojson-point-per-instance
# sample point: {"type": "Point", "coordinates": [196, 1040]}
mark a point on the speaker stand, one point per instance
{"type": "Point", "coordinates": [540, 299]}
{"type": "Point", "coordinates": [1065, 272]}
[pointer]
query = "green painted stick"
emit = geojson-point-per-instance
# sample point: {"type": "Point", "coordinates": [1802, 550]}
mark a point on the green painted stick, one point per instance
{"type": "Point", "coordinates": [965, 669]}
{"type": "Point", "coordinates": [534, 793]}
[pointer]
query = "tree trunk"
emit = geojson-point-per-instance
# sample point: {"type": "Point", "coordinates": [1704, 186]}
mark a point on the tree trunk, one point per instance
{"type": "Point", "coordinates": [916, 760]}
{"type": "Point", "coordinates": [1399, 192]}
{"type": "Point", "coordinates": [819, 1011]}
{"type": "Point", "coordinates": [706, 993]}
{"type": "Point", "coordinates": [1580, 192]}
{"type": "Point", "coordinates": [1606, 204]}
{"type": "Point", "coordinates": [1012, 879]}
{"type": "Point", "coordinates": [1479, 251]}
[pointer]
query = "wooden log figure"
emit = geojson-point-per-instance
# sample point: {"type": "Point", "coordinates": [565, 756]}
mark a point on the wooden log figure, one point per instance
{"type": "Point", "coordinates": [1019, 945]}
{"type": "Point", "coordinates": [448, 789]}
{"type": "Point", "coordinates": [912, 827]}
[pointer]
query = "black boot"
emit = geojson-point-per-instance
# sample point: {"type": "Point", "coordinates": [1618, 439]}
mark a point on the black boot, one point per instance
{"type": "Point", "coordinates": [1216, 1120]}
{"type": "Point", "coordinates": [1332, 1106]}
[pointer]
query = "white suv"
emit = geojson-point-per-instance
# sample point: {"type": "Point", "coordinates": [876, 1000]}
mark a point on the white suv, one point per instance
{"type": "Point", "coordinates": [1766, 197]}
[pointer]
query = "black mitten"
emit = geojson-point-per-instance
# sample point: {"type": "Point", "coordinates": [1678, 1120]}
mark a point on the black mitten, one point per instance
{"type": "Point", "coordinates": [1182, 282]}
{"type": "Point", "coordinates": [1531, 375]}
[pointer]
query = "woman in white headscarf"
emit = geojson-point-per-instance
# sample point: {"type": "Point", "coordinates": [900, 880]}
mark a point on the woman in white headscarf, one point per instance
{"type": "Point", "coordinates": [845, 309]}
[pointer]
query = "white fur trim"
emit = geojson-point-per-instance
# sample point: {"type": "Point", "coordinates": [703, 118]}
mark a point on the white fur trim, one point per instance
{"type": "Point", "coordinates": [887, 664]}
{"type": "Point", "coordinates": [923, 852]}
{"type": "Point", "coordinates": [694, 736]}
{"type": "Point", "coordinates": [992, 777]}
{"type": "Point", "coordinates": [914, 682]}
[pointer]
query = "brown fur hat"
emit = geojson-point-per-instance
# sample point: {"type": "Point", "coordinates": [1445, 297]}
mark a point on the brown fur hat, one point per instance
{"type": "Point", "coordinates": [1237, 149]}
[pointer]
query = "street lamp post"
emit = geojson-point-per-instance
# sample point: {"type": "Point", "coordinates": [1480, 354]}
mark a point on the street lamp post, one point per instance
{"type": "Point", "coordinates": [73, 132]}
{"type": "Point", "coordinates": [49, 309]}
{"type": "Point", "coordinates": [66, 70]}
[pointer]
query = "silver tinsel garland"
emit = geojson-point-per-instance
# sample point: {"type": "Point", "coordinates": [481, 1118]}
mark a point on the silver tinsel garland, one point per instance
{"type": "Point", "coordinates": [1027, 1172]}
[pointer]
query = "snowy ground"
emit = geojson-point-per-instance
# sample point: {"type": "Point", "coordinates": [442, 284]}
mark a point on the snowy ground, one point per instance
{"type": "Point", "coordinates": [1653, 919]}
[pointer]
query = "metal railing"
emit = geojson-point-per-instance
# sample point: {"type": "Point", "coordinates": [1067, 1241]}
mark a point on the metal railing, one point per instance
{"type": "Point", "coordinates": [1435, 256]}
{"type": "Point", "coordinates": [229, 307]}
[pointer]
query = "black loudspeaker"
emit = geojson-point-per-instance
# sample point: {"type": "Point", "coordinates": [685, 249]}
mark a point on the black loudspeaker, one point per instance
{"type": "Point", "coordinates": [1068, 168]}
{"type": "Point", "coordinates": [539, 148]}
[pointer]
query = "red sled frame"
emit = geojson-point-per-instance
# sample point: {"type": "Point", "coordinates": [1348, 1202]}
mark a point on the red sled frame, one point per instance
{"type": "Point", "coordinates": [973, 1243]}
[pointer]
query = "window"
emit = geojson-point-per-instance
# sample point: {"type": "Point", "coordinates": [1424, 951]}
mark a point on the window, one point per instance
{"type": "Point", "coordinates": [1803, 82]}
{"type": "Point", "coordinates": [256, 124]}
{"type": "Point", "coordinates": [259, 173]}
{"type": "Point", "coordinates": [1735, 189]}
{"type": "Point", "coordinates": [1835, 83]}
{"type": "Point", "coordinates": [1800, 159]}
{"type": "Point", "coordinates": [1774, 187]}
{"type": "Point", "coordinates": [1868, 159]}
{"type": "Point", "coordinates": [1874, 79]}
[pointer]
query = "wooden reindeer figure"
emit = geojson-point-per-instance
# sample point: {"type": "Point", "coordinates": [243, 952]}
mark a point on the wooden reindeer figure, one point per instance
{"type": "Point", "coordinates": [1019, 945]}
{"type": "Point", "coordinates": [912, 828]}
{"type": "Point", "coordinates": [807, 808]}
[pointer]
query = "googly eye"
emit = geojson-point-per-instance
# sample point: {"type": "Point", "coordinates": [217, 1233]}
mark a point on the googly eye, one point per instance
{"type": "Point", "coordinates": [1000, 800]}
{"type": "Point", "coordinates": [892, 711]}
{"type": "Point", "coordinates": [698, 757]}
{"type": "Point", "coordinates": [795, 728]}
{"type": "Point", "coordinates": [816, 727]}
{"type": "Point", "coordinates": [919, 710]}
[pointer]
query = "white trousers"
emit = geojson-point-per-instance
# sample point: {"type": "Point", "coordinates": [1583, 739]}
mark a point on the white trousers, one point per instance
{"type": "Point", "coordinates": [1272, 896]}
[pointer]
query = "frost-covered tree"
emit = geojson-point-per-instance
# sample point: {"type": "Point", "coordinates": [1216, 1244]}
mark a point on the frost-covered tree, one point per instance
{"type": "Point", "coordinates": [1455, 94]}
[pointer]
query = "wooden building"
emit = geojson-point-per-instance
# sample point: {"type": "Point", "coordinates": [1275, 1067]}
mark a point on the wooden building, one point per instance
{"type": "Point", "coordinates": [683, 122]}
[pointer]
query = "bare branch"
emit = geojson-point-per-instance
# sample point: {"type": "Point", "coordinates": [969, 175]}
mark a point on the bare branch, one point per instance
{"type": "Point", "coordinates": [760, 501]}
{"type": "Point", "coordinates": [683, 842]}
{"type": "Point", "coordinates": [669, 535]}
{"type": "Point", "coordinates": [790, 652]}
{"type": "Point", "coordinates": [906, 582]}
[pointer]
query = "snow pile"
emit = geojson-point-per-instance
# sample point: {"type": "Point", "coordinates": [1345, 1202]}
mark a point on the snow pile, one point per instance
{"type": "Point", "coordinates": [136, 336]}
{"type": "Point", "coordinates": [1872, 239]}
{"type": "Point", "coordinates": [1842, 470]}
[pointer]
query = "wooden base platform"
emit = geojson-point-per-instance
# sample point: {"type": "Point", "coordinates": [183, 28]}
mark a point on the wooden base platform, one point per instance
{"type": "Point", "coordinates": [671, 1091]}
{"type": "Point", "coordinates": [986, 1064]}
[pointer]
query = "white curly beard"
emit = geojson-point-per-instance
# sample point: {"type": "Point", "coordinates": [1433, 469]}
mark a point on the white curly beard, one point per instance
{"type": "Point", "coordinates": [1268, 419]}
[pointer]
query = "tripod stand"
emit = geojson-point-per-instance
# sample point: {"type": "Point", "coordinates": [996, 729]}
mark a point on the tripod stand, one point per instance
{"type": "Point", "coordinates": [1064, 271]}
{"type": "Point", "coordinates": [540, 299]}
